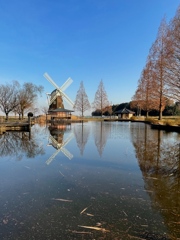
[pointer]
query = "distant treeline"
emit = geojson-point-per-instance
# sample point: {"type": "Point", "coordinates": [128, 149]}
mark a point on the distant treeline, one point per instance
{"type": "Point", "coordinates": [171, 109]}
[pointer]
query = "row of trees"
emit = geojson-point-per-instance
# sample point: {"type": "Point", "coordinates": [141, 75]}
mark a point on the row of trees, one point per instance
{"type": "Point", "coordinates": [160, 79]}
{"type": "Point", "coordinates": [103, 107]}
{"type": "Point", "coordinates": [18, 98]}
{"type": "Point", "coordinates": [101, 103]}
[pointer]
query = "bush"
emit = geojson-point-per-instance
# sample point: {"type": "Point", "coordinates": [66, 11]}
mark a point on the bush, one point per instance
{"type": "Point", "coordinates": [134, 118]}
{"type": "Point", "coordinates": [172, 122]}
{"type": "Point", "coordinates": [151, 120]}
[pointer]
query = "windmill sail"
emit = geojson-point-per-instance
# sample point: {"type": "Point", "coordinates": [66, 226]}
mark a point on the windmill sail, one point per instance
{"type": "Point", "coordinates": [58, 92]}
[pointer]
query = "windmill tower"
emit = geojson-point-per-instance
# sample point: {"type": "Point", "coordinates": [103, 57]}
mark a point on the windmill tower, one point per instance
{"type": "Point", "coordinates": [55, 100]}
{"type": "Point", "coordinates": [56, 97]}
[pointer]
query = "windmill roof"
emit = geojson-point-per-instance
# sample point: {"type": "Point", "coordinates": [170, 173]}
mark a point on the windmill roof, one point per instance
{"type": "Point", "coordinates": [60, 110]}
{"type": "Point", "coordinates": [54, 91]}
{"type": "Point", "coordinates": [124, 110]}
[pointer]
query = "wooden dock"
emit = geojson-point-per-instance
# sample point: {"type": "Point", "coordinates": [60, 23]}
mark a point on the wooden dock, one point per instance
{"type": "Point", "coordinates": [14, 126]}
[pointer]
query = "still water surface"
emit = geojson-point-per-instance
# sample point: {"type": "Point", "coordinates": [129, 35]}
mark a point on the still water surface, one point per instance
{"type": "Point", "coordinates": [98, 180]}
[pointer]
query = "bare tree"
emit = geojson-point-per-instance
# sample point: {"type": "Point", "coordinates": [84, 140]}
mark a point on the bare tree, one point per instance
{"type": "Point", "coordinates": [35, 110]}
{"type": "Point", "coordinates": [101, 99]}
{"type": "Point", "coordinates": [165, 67]}
{"type": "Point", "coordinates": [161, 53]}
{"type": "Point", "coordinates": [144, 97]}
{"type": "Point", "coordinates": [81, 103]}
{"type": "Point", "coordinates": [45, 111]}
{"type": "Point", "coordinates": [173, 79]}
{"type": "Point", "coordinates": [17, 110]}
{"type": "Point", "coordinates": [8, 97]}
{"type": "Point", "coordinates": [136, 102]}
{"type": "Point", "coordinates": [27, 96]}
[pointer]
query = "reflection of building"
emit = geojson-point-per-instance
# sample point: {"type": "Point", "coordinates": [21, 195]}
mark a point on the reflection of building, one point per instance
{"type": "Point", "coordinates": [56, 139]}
{"type": "Point", "coordinates": [125, 113]}
{"type": "Point", "coordinates": [54, 127]}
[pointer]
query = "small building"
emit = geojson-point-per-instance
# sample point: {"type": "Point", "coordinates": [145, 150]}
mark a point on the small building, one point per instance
{"type": "Point", "coordinates": [124, 113]}
{"type": "Point", "coordinates": [60, 114]}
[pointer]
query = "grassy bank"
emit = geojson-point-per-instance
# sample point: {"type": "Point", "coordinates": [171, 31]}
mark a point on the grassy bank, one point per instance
{"type": "Point", "coordinates": [12, 119]}
{"type": "Point", "coordinates": [166, 120]}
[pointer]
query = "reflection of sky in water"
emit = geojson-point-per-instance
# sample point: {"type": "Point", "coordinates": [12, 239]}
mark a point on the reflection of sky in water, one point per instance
{"type": "Point", "coordinates": [103, 175]}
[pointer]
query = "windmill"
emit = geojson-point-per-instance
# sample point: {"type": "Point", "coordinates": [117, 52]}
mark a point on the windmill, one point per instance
{"type": "Point", "coordinates": [56, 97]}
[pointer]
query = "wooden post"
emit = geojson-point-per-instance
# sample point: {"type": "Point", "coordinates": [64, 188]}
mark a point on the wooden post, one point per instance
{"type": "Point", "coordinates": [30, 114]}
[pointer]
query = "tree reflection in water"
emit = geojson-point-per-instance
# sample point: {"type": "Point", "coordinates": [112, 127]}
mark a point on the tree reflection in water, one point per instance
{"type": "Point", "coordinates": [19, 144]}
{"type": "Point", "coordinates": [110, 189]}
{"type": "Point", "coordinates": [159, 161]}
{"type": "Point", "coordinates": [101, 133]}
{"type": "Point", "coordinates": [81, 132]}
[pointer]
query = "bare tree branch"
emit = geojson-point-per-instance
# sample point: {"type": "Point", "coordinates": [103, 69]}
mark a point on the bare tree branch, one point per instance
{"type": "Point", "coordinates": [8, 97]}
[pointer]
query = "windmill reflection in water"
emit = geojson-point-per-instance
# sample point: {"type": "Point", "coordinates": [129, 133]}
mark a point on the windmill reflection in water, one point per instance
{"type": "Point", "coordinates": [56, 139]}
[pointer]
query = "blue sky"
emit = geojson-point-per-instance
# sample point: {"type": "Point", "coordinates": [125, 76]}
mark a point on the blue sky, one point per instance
{"type": "Point", "coordinates": [87, 40]}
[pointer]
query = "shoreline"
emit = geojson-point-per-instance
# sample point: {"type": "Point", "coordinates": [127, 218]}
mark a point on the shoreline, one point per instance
{"type": "Point", "coordinates": [26, 126]}
{"type": "Point", "coordinates": [165, 127]}
{"type": "Point", "coordinates": [14, 126]}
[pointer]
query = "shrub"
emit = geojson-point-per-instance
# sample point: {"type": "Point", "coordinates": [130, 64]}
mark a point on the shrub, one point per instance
{"type": "Point", "coordinates": [151, 120]}
{"type": "Point", "coordinates": [134, 118]}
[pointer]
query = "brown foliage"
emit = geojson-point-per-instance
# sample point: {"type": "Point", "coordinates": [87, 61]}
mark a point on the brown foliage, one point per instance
{"type": "Point", "coordinates": [81, 103]}
{"type": "Point", "coordinates": [101, 99]}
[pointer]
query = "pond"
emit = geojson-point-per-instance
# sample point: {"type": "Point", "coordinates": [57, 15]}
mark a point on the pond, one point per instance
{"type": "Point", "coordinates": [97, 180]}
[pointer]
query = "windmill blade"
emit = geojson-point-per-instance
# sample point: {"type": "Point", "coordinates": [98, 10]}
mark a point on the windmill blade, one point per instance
{"type": "Point", "coordinates": [67, 98]}
{"type": "Point", "coordinates": [50, 80]}
{"type": "Point", "coordinates": [52, 157]}
{"type": "Point", "coordinates": [67, 153]}
{"type": "Point", "coordinates": [60, 145]}
{"type": "Point", "coordinates": [59, 89]}
{"type": "Point", "coordinates": [55, 143]}
{"type": "Point", "coordinates": [53, 140]}
{"type": "Point", "coordinates": [68, 140]}
{"type": "Point", "coordinates": [66, 84]}
{"type": "Point", "coordinates": [52, 100]}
